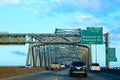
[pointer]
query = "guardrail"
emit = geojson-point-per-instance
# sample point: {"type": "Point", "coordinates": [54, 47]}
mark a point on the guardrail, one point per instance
{"type": "Point", "coordinates": [115, 70]}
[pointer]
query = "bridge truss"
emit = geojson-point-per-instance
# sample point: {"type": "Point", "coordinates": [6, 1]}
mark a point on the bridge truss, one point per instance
{"type": "Point", "coordinates": [62, 46]}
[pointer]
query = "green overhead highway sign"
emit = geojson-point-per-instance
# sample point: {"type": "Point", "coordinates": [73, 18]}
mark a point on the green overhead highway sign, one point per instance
{"type": "Point", "coordinates": [111, 52]}
{"type": "Point", "coordinates": [111, 55]}
{"type": "Point", "coordinates": [111, 59]}
{"type": "Point", "coordinates": [93, 35]}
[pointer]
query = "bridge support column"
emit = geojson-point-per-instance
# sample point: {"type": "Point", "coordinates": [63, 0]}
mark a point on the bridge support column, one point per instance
{"type": "Point", "coordinates": [48, 61]}
{"type": "Point", "coordinates": [31, 57]}
{"type": "Point", "coordinates": [44, 57]}
{"type": "Point", "coordinates": [40, 59]}
{"type": "Point", "coordinates": [107, 38]}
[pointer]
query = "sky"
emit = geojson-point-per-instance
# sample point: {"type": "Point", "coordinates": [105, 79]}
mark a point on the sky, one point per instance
{"type": "Point", "coordinates": [44, 16]}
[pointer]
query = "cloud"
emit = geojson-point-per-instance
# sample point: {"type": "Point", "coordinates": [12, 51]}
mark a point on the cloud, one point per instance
{"type": "Point", "coordinates": [19, 53]}
{"type": "Point", "coordinates": [115, 37]}
{"type": "Point", "coordinates": [4, 2]}
{"type": "Point", "coordinates": [46, 7]}
{"type": "Point", "coordinates": [101, 7]}
{"type": "Point", "coordinates": [90, 4]}
{"type": "Point", "coordinates": [34, 11]}
{"type": "Point", "coordinates": [87, 19]}
{"type": "Point", "coordinates": [92, 11]}
{"type": "Point", "coordinates": [37, 7]}
{"type": "Point", "coordinates": [57, 1]}
{"type": "Point", "coordinates": [68, 6]}
{"type": "Point", "coordinates": [61, 6]}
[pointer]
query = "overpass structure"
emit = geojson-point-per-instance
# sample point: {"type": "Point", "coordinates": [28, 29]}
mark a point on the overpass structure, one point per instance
{"type": "Point", "coordinates": [62, 46]}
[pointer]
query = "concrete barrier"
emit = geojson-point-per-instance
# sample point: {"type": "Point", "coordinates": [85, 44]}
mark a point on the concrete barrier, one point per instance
{"type": "Point", "coordinates": [111, 71]}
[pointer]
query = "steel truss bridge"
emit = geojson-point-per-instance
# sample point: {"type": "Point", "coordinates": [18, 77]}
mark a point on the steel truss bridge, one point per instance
{"type": "Point", "coordinates": [62, 46]}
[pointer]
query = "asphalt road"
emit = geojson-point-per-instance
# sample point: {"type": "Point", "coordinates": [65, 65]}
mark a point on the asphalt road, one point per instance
{"type": "Point", "coordinates": [64, 75]}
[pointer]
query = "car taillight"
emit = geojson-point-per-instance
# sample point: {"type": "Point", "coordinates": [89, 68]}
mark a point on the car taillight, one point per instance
{"type": "Point", "coordinates": [84, 66]}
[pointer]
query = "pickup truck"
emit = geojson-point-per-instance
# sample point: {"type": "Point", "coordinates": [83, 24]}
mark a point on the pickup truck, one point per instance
{"type": "Point", "coordinates": [55, 66]}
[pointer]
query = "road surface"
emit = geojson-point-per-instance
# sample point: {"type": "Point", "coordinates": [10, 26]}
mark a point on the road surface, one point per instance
{"type": "Point", "coordinates": [64, 75]}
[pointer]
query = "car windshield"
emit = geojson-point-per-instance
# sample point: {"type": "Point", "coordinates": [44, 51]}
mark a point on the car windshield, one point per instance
{"type": "Point", "coordinates": [78, 63]}
{"type": "Point", "coordinates": [55, 63]}
{"type": "Point", "coordinates": [95, 64]}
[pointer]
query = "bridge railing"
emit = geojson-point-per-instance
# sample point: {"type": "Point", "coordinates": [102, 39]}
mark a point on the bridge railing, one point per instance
{"type": "Point", "coordinates": [115, 70]}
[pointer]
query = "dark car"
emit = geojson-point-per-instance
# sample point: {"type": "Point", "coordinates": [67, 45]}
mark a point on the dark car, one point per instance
{"type": "Point", "coordinates": [78, 68]}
